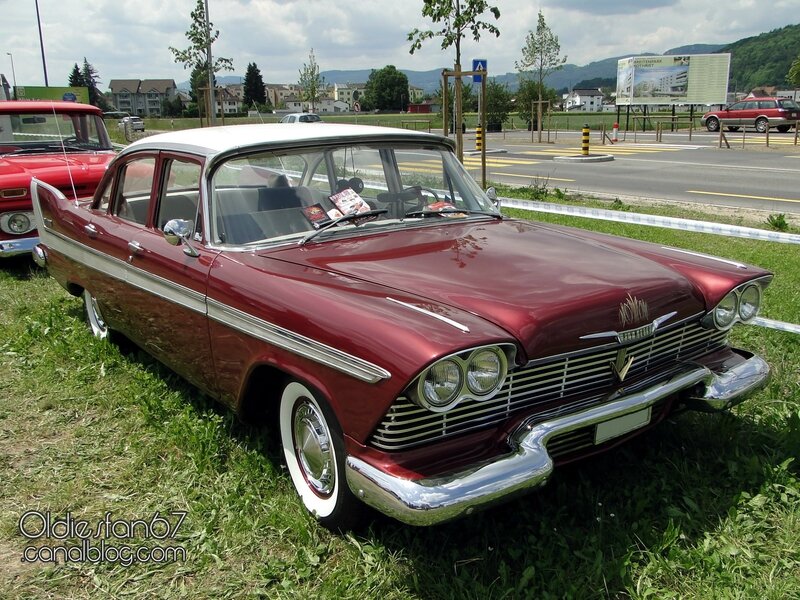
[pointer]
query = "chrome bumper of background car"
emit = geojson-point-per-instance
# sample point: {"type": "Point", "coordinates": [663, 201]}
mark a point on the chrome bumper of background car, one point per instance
{"type": "Point", "coordinates": [19, 246]}
{"type": "Point", "coordinates": [439, 499]}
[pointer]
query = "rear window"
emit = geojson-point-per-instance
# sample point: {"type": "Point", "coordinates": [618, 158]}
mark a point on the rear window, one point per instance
{"type": "Point", "coordinates": [788, 103]}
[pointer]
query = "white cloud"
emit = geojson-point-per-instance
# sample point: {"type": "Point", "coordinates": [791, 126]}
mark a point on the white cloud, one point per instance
{"type": "Point", "coordinates": [131, 40]}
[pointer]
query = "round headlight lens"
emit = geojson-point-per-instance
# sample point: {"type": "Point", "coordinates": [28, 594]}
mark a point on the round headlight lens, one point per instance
{"type": "Point", "coordinates": [749, 302]}
{"type": "Point", "coordinates": [725, 312]}
{"type": "Point", "coordinates": [19, 223]}
{"type": "Point", "coordinates": [442, 384]}
{"type": "Point", "coordinates": [485, 371]}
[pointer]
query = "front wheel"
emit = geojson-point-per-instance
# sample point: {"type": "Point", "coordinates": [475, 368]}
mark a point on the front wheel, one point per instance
{"type": "Point", "coordinates": [762, 125]}
{"type": "Point", "coordinates": [313, 448]}
{"type": "Point", "coordinates": [712, 124]}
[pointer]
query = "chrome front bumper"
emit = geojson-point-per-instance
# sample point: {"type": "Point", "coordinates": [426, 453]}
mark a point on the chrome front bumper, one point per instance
{"type": "Point", "coordinates": [528, 465]}
{"type": "Point", "coordinates": [18, 246]}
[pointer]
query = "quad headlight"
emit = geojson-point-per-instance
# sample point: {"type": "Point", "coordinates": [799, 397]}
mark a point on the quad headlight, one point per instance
{"type": "Point", "coordinates": [741, 304]}
{"type": "Point", "coordinates": [473, 374]}
{"type": "Point", "coordinates": [17, 223]}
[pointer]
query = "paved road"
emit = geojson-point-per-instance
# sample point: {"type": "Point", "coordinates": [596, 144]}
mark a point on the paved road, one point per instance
{"type": "Point", "coordinates": [676, 169]}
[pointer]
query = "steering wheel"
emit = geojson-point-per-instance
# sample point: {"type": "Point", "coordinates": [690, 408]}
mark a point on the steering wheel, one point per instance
{"type": "Point", "coordinates": [420, 188]}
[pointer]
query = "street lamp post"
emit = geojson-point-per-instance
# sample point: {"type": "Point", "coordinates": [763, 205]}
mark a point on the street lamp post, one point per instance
{"type": "Point", "coordinates": [41, 43]}
{"type": "Point", "coordinates": [13, 74]}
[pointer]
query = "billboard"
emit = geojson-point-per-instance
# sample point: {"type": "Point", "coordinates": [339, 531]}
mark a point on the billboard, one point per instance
{"type": "Point", "coordinates": [70, 94]}
{"type": "Point", "coordinates": [684, 79]}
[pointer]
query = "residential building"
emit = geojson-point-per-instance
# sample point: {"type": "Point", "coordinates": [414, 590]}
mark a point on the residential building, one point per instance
{"type": "Point", "coordinates": [586, 100]}
{"type": "Point", "coordinates": [349, 93]}
{"type": "Point", "coordinates": [143, 97]}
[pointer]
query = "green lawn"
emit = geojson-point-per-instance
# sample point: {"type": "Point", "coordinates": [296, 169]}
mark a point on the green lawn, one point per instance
{"type": "Point", "coordinates": [704, 506]}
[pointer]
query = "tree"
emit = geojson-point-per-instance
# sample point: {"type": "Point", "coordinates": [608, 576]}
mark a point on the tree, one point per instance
{"type": "Point", "coordinates": [541, 55]}
{"type": "Point", "coordinates": [794, 73]}
{"type": "Point", "coordinates": [254, 92]}
{"type": "Point", "coordinates": [311, 83]}
{"type": "Point", "coordinates": [529, 92]}
{"type": "Point", "coordinates": [201, 36]}
{"type": "Point", "coordinates": [387, 89]}
{"type": "Point", "coordinates": [90, 80]}
{"type": "Point", "coordinates": [498, 105]}
{"type": "Point", "coordinates": [76, 77]}
{"type": "Point", "coordinates": [456, 18]}
{"type": "Point", "coordinates": [87, 77]}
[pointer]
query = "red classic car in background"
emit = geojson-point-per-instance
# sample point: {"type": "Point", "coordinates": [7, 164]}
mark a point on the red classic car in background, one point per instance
{"type": "Point", "coordinates": [414, 349]}
{"type": "Point", "coordinates": [62, 143]}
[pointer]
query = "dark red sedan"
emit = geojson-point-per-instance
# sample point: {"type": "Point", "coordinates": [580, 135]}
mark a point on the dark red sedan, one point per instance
{"type": "Point", "coordinates": [414, 349]}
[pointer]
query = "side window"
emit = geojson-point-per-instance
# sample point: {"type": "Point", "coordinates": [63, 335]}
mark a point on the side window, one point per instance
{"type": "Point", "coordinates": [752, 105]}
{"type": "Point", "coordinates": [180, 192]}
{"type": "Point", "coordinates": [105, 196]}
{"type": "Point", "coordinates": [133, 196]}
{"type": "Point", "coordinates": [766, 104]}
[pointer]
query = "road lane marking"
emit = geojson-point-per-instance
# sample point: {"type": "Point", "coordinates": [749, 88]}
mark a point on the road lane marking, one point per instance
{"type": "Point", "coordinates": [533, 176]}
{"type": "Point", "coordinates": [748, 196]}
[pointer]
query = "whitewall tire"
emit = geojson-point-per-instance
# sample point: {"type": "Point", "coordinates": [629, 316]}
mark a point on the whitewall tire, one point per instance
{"type": "Point", "coordinates": [93, 316]}
{"type": "Point", "coordinates": [313, 449]}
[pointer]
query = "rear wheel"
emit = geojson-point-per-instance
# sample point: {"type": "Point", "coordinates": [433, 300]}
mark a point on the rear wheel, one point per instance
{"type": "Point", "coordinates": [712, 124]}
{"type": "Point", "coordinates": [313, 448]}
{"type": "Point", "coordinates": [762, 125]}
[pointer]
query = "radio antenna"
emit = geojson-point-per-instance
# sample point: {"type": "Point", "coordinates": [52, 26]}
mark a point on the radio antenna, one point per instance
{"type": "Point", "coordinates": [66, 158]}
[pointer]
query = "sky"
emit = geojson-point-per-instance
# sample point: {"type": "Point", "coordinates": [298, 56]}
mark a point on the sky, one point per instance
{"type": "Point", "coordinates": [131, 40]}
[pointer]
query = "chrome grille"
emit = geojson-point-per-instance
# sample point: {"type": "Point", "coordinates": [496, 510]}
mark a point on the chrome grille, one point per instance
{"type": "Point", "coordinates": [547, 388]}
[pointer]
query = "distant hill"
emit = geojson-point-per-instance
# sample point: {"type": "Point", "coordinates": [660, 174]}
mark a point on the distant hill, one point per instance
{"type": "Point", "coordinates": [762, 60]}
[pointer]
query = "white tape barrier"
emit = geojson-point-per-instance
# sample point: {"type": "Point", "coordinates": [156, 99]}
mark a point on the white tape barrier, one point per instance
{"type": "Point", "coordinates": [654, 221]}
{"type": "Point", "coordinates": [779, 325]}
{"type": "Point", "coordinates": [669, 223]}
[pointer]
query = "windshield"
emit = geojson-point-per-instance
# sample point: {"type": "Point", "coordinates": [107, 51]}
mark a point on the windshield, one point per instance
{"type": "Point", "coordinates": [283, 196]}
{"type": "Point", "coordinates": [46, 131]}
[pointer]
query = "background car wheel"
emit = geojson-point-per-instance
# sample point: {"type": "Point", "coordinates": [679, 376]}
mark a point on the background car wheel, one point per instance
{"type": "Point", "coordinates": [313, 448]}
{"type": "Point", "coordinates": [733, 128]}
{"type": "Point", "coordinates": [784, 128]}
{"type": "Point", "coordinates": [93, 316]}
{"type": "Point", "coordinates": [712, 124]}
{"type": "Point", "coordinates": [762, 125]}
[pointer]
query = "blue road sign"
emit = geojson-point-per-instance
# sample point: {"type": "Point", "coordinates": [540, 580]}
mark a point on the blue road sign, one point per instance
{"type": "Point", "coordinates": [478, 64]}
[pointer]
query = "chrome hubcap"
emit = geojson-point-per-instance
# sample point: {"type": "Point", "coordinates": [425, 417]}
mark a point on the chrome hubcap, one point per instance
{"type": "Point", "coordinates": [312, 446]}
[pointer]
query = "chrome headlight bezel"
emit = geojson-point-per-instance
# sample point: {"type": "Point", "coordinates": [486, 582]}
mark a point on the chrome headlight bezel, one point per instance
{"type": "Point", "coordinates": [466, 362]}
{"type": "Point", "coordinates": [733, 308]}
{"type": "Point", "coordinates": [6, 220]}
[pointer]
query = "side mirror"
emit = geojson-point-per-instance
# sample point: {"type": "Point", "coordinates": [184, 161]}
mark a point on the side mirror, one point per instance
{"type": "Point", "coordinates": [177, 232]}
{"type": "Point", "coordinates": [491, 193]}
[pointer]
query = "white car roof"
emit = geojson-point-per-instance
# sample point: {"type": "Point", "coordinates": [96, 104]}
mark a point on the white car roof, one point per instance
{"type": "Point", "coordinates": [210, 141]}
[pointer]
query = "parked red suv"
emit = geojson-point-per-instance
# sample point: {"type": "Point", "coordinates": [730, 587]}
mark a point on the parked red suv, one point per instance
{"type": "Point", "coordinates": [761, 113]}
{"type": "Point", "coordinates": [64, 144]}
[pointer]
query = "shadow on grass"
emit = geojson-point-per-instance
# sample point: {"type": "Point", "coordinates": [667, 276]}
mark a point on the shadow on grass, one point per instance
{"type": "Point", "coordinates": [21, 267]}
{"type": "Point", "coordinates": [579, 535]}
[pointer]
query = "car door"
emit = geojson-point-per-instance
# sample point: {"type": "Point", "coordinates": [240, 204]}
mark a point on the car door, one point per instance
{"type": "Point", "coordinates": [171, 314]}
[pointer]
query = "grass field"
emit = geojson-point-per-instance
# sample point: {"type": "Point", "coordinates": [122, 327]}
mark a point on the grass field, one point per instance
{"type": "Point", "coordinates": [705, 506]}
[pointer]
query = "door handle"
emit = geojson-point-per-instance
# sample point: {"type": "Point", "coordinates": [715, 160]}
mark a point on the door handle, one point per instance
{"type": "Point", "coordinates": [134, 247]}
{"type": "Point", "coordinates": [90, 230]}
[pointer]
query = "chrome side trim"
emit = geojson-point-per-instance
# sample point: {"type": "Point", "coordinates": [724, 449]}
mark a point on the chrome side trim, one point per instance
{"type": "Point", "coordinates": [528, 465]}
{"type": "Point", "coordinates": [198, 302]}
{"type": "Point", "coordinates": [738, 265]}
{"type": "Point", "coordinates": [423, 311]}
{"type": "Point", "coordinates": [296, 343]}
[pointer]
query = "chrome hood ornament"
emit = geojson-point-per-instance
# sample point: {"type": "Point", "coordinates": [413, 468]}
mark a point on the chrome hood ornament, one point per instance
{"type": "Point", "coordinates": [633, 310]}
{"type": "Point", "coordinates": [632, 335]}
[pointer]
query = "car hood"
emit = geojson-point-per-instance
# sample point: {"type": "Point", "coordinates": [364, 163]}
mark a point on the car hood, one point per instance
{"type": "Point", "coordinates": [54, 169]}
{"type": "Point", "coordinates": [547, 287]}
